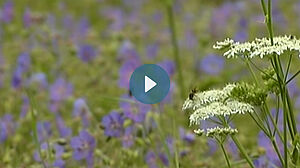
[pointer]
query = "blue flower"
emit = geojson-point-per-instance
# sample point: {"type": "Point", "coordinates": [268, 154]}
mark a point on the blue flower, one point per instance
{"type": "Point", "coordinates": [135, 111]}
{"type": "Point", "coordinates": [40, 79]}
{"type": "Point", "coordinates": [7, 12]}
{"type": "Point", "coordinates": [125, 72]}
{"type": "Point", "coordinates": [86, 52]}
{"type": "Point", "coordinates": [60, 90]}
{"type": "Point", "coordinates": [113, 124]}
{"type": "Point", "coordinates": [27, 18]}
{"type": "Point", "coordinates": [63, 130]}
{"type": "Point", "coordinates": [212, 64]}
{"type": "Point", "coordinates": [83, 147]}
{"type": "Point", "coordinates": [264, 142]}
{"type": "Point", "coordinates": [151, 159]}
{"type": "Point", "coordinates": [44, 131]}
{"type": "Point", "coordinates": [168, 66]}
{"type": "Point", "coordinates": [127, 52]}
{"type": "Point", "coordinates": [7, 127]}
{"type": "Point", "coordinates": [152, 50]}
{"type": "Point", "coordinates": [186, 136]}
{"type": "Point", "coordinates": [81, 109]}
{"type": "Point", "coordinates": [128, 137]}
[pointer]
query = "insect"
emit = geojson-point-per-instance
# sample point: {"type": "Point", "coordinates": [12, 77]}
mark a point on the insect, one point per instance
{"type": "Point", "coordinates": [192, 94]}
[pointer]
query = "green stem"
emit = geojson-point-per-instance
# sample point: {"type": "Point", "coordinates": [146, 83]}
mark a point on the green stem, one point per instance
{"type": "Point", "coordinates": [225, 155]}
{"type": "Point", "coordinates": [242, 150]}
{"type": "Point", "coordinates": [175, 47]}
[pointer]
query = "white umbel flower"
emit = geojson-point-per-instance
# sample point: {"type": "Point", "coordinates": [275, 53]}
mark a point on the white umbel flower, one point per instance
{"type": "Point", "coordinates": [223, 132]}
{"type": "Point", "coordinates": [214, 103]}
{"type": "Point", "coordinates": [259, 47]}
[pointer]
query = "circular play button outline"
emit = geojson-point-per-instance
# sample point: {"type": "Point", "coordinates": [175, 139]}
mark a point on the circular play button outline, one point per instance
{"type": "Point", "coordinates": [149, 83]}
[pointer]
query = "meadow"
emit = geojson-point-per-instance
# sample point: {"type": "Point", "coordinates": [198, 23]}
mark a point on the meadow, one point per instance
{"type": "Point", "coordinates": [234, 98]}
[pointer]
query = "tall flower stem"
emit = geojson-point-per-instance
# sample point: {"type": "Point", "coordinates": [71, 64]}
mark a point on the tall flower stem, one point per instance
{"type": "Point", "coordinates": [225, 154]}
{"type": "Point", "coordinates": [242, 150]}
{"type": "Point", "coordinates": [169, 6]}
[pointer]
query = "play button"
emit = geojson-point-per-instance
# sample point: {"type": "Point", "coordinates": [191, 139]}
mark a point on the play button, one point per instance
{"type": "Point", "coordinates": [149, 84]}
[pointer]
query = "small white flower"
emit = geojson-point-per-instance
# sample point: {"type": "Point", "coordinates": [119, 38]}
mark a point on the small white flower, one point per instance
{"type": "Point", "coordinates": [258, 47]}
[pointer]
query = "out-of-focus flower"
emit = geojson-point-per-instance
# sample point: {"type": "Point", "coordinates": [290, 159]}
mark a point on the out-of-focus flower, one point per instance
{"type": "Point", "coordinates": [116, 16]}
{"type": "Point", "coordinates": [135, 111]}
{"type": "Point", "coordinates": [220, 17]}
{"type": "Point", "coordinates": [23, 64]}
{"type": "Point", "coordinates": [27, 18]}
{"type": "Point", "coordinates": [190, 39]}
{"type": "Point", "coordinates": [168, 66]}
{"type": "Point", "coordinates": [128, 137]}
{"type": "Point", "coordinates": [212, 64]}
{"type": "Point", "coordinates": [242, 33]}
{"type": "Point", "coordinates": [63, 130]}
{"type": "Point", "coordinates": [113, 124]}
{"type": "Point", "coordinates": [7, 12]}
{"type": "Point", "coordinates": [57, 149]}
{"type": "Point", "coordinates": [60, 90]}
{"type": "Point", "coordinates": [83, 147]}
{"type": "Point", "coordinates": [264, 142]}
{"type": "Point", "coordinates": [152, 50]}
{"type": "Point", "coordinates": [38, 79]}
{"type": "Point", "coordinates": [24, 107]}
{"type": "Point", "coordinates": [125, 72]}
{"type": "Point", "coordinates": [86, 52]}
{"type": "Point", "coordinates": [81, 110]}
{"type": "Point", "coordinates": [164, 159]}
{"type": "Point", "coordinates": [186, 136]}
{"type": "Point", "coordinates": [151, 159]}
{"type": "Point", "coordinates": [7, 127]}
{"type": "Point", "coordinates": [127, 52]}
{"type": "Point", "coordinates": [44, 131]}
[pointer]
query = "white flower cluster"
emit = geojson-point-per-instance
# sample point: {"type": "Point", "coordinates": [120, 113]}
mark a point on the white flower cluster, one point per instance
{"type": "Point", "coordinates": [217, 131]}
{"type": "Point", "coordinates": [259, 47]}
{"type": "Point", "coordinates": [212, 103]}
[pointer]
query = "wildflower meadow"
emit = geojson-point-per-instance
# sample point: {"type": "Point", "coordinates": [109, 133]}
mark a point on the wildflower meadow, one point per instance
{"type": "Point", "coordinates": [232, 100]}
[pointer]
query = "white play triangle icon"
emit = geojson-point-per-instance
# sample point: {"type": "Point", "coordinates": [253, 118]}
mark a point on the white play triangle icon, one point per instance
{"type": "Point", "coordinates": [149, 84]}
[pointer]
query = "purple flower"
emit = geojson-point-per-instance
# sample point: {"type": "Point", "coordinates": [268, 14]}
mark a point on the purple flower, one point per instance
{"type": "Point", "coordinates": [25, 106]}
{"type": "Point", "coordinates": [127, 51]}
{"type": "Point", "coordinates": [57, 149]}
{"type": "Point", "coordinates": [7, 127]}
{"type": "Point", "coordinates": [86, 53]}
{"type": "Point", "coordinates": [190, 39]}
{"type": "Point", "coordinates": [63, 130]}
{"type": "Point", "coordinates": [212, 145]}
{"type": "Point", "coordinates": [212, 64]}
{"type": "Point", "coordinates": [264, 142]}
{"type": "Point", "coordinates": [164, 159]}
{"type": "Point", "coordinates": [168, 66]}
{"type": "Point", "coordinates": [60, 90]}
{"type": "Point", "coordinates": [23, 61]}
{"type": "Point", "coordinates": [43, 131]}
{"type": "Point", "coordinates": [40, 79]}
{"type": "Point", "coordinates": [219, 19]}
{"type": "Point", "coordinates": [151, 159]}
{"type": "Point", "coordinates": [128, 137]}
{"type": "Point", "coordinates": [186, 136]}
{"type": "Point", "coordinates": [125, 72]}
{"type": "Point", "coordinates": [152, 50]}
{"type": "Point", "coordinates": [17, 78]}
{"type": "Point", "coordinates": [113, 124]}
{"type": "Point", "coordinates": [27, 19]}
{"type": "Point", "coordinates": [83, 147]}
{"type": "Point", "coordinates": [116, 16]}
{"type": "Point", "coordinates": [135, 111]}
{"type": "Point", "coordinates": [7, 12]}
{"type": "Point", "coordinates": [81, 109]}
